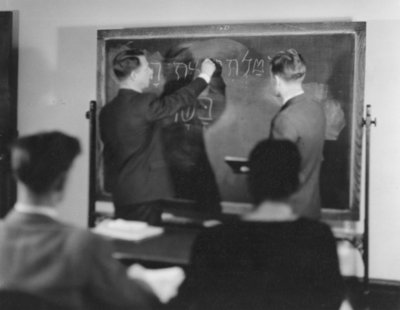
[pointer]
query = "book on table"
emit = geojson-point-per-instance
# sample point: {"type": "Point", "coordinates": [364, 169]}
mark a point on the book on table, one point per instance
{"type": "Point", "coordinates": [127, 230]}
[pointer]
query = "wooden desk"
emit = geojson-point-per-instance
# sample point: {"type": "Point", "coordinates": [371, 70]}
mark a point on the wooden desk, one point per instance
{"type": "Point", "coordinates": [171, 248]}
{"type": "Point", "coordinates": [174, 245]}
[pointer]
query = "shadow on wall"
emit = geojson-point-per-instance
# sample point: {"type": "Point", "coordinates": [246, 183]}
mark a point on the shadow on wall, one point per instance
{"type": "Point", "coordinates": [58, 94]}
{"type": "Point", "coordinates": [75, 76]}
{"type": "Point", "coordinates": [35, 89]}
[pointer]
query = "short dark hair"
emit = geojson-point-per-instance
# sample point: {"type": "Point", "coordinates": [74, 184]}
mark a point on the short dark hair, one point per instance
{"type": "Point", "coordinates": [289, 65]}
{"type": "Point", "coordinates": [126, 61]}
{"type": "Point", "coordinates": [274, 170]}
{"type": "Point", "coordinates": [39, 159]}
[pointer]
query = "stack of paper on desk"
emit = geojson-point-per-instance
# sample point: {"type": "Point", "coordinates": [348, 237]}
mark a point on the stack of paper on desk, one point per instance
{"type": "Point", "coordinates": [127, 230]}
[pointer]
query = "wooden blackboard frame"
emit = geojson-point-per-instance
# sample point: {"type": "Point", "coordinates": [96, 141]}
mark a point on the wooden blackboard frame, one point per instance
{"type": "Point", "coordinates": [356, 29]}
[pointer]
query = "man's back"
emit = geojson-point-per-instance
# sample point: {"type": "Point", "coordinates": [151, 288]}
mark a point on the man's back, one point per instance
{"type": "Point", "coordinates": [130, 129]}
{"type": "Point", "coordinates": [302, 121]}
{"type": "Point", "coordinates": [264, 265]}
{"type": "Point", "coordinates": [68, 266]}
{"type": "Point", "coordinates": [136, 170]}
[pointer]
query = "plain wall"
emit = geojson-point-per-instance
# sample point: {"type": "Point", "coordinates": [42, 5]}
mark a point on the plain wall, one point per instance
{"type": "Point", "coordinates": [57, 79]}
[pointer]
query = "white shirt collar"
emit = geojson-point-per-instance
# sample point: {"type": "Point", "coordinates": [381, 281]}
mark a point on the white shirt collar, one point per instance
{"type": "Point", "coordinates": [269, 211]}
{"type": "Point", "coordinates": [29, 209]}
{"type": "Point", "coordinates": [292, 95]}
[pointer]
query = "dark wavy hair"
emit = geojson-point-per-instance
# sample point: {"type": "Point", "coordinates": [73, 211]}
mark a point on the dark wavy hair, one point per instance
{"type": "Point", "coordinates": [39, 160]}
{"type": "Point", "coordinates": [288, 64]}
{"type": "Point", "coordinates": [126, 61]}
{"type": "Point", "coordinates": [274, 170]}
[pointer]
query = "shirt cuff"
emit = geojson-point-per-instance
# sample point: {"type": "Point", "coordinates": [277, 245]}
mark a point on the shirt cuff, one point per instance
{"type": "Point", "coordinates": [205, 77]}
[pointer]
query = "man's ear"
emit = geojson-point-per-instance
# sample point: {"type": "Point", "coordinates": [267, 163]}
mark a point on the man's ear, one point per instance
{"type": "Point", "coordinates": [132, 76]}
{"type": "Point", "coordinates": [59, 183]}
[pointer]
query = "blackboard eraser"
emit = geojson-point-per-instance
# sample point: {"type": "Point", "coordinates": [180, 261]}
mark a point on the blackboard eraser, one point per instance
{"type": "Point", "coordinates": [238, 164]}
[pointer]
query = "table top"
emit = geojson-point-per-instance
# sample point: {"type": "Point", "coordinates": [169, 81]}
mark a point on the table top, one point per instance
{"type": "Point", "coordinates": [170, 248]}
{"type": "Point", "coordinates": [173, 246]}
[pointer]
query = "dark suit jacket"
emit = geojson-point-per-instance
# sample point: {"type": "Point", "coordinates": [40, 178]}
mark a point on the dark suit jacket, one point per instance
{"type": "Point", "coordinates": [130, 127]}
{"type": "Point", "coordinates": [68, 266]}
{"type": "Point", "coordinates": [302, 120]}
{"type": "Point", "coordinates": [263, 265]}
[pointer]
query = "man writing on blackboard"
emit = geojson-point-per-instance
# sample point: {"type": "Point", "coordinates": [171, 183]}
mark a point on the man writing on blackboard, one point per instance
{"type": "Point", "coordinates": [130, 128]}
{"type": "Point", "coordinates": [301, 119]}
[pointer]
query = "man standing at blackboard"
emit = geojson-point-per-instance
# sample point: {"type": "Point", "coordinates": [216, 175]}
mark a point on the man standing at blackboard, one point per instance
{"type": "Point", "coordinates": [130, 128]}
{"type": "Point", "coordinates": [301, 119]}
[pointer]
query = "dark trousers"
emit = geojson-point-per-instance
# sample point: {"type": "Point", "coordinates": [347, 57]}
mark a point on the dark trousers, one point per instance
{"type": "Point", "coordinates": [149, 212]}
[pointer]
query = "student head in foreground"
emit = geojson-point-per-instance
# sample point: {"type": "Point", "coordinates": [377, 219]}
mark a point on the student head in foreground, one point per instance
{"type": "Point", "coordinates": [67, 266]}
{"type": "Point", "coordinates": [274, 176]}
{"type": "Point", "coordinates": [272, 258]}
{"type": "Point", "coordinates": [41, 164]}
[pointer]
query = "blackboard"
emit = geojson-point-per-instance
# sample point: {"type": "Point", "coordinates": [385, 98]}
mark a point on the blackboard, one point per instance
{"type": "Point", "coordinates": [235, 112]}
